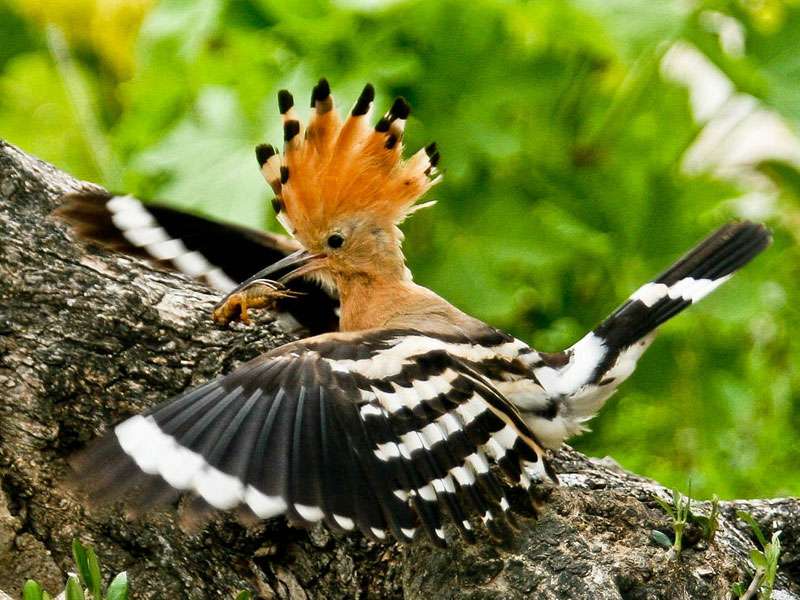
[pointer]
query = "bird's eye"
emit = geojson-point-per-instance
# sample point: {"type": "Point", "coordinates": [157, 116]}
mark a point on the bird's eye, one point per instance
{"type": "Point", "coordinates": [336, 240]}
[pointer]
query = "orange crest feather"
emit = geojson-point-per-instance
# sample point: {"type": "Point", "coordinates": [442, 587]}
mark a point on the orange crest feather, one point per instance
{"type": "Point", "coordinates": [334, 169]}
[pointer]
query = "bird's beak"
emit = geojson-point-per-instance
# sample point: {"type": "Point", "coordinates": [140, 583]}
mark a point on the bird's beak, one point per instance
{"type": "Point", "coordinates": [295, 265]}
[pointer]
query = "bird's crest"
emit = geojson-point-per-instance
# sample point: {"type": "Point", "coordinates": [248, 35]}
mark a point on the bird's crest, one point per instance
{"type": "Point", "coordinates": [334, 168]}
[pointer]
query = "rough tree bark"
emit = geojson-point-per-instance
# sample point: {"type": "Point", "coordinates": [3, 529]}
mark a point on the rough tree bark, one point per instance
{"type": "Point", "coordinates": [87, 338]}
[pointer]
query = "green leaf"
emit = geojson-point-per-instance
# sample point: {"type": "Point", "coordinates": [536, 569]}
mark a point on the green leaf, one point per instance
{"type": "Point", "coordinates": [243, 595]}
{"type": "Point", "coordinates": [81, 562]}
{"type": "Point", "coordinates": [683, 507]}
{"type": "Point", "coordinates": [31, 590]}
{"type": "Point", "coordinates": [748, 518]}
{"type": "Point", "coordinates": [46, 596]}
{"type": "Point", "coordinates": [118, 588]}
{"type": "Point", "coordinates": [758, 559]}
{"type": "Point", "coordinates": [74, 590]}
{"type": "Point", "coordinates": [88, 568]}
{"type": "Point", "coordinates": [666, 506]}
{"type": "Point", "coordinates": [95, 578]}
{"type": "Point", "coordinates": [660, 538]}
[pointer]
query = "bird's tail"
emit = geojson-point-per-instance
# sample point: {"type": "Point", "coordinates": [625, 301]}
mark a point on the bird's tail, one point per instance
{"type": "Point", "coordinates": [592, 368]}
{"type": "Point", "coordinates": [710, 264]}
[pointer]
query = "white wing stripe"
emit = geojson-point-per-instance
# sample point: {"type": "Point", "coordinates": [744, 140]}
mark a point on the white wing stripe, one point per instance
{"type": "Point", "coordinates": [463, 476]}
{"type": "Point", "coordinates": [219, 489]}
{"type": "Point", "coordinates": [409, 347]}
{"type": "Point", "coordinates": [697, 289]}
{"type": "Point", "coordinates": [370, 410]}
{"type": "Point", "coordinates": [495, 450]}
{"type": "Point", "coordinates": [478, 462]}
{"type": "Point", "coordinates": [586, 355]}
{"type": "Point", "coordinates": [145, 235]}
{"type": "Point", "coordinates": [218, 280]}
{"type": "Point", "coordinates": [309, 513]}
{"type": "Point", "coordinates": [193, 264]}
{"type": "Point", "coordinates": [471, 409]}
{"type": "Point", "coordinates": [157, 453]}
{"type": "Point", "coordinates": [140, 228]}
{"type": "Point", "coordinates": [344, 522]}
{"type": "Point", "coordinates": [505, 437]}
{"type": "Point", "coordinates": [387, 451]}
{"type": "Point", "coordinates": [262, 505]}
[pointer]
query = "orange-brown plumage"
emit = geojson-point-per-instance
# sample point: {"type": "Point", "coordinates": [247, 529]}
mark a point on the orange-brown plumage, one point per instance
{"type": "Point", "coordinates": [337, 169]}
{"type": "Point", "coordinates": [349, 179]}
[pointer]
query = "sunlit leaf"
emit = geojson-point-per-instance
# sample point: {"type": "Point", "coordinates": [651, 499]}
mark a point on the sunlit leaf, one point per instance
{"type": "Point", "coordinates": [758, 559]}
{"type": "Point", "coordinates": [118, 588]}
{"type": "Point", "coordinates": [96, 579]}
{"type": "Point", "coordinates": [74, 591]}
{"type": "Point", "coordinates": [32, 591]}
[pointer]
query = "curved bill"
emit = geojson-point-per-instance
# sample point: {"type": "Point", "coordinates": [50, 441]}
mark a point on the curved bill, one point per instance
{"type": "Point", "coordinates": [295, 265]}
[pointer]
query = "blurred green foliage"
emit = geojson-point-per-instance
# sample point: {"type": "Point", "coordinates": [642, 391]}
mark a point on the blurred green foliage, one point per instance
{"type": "Point", "coordinates": [561, 143]}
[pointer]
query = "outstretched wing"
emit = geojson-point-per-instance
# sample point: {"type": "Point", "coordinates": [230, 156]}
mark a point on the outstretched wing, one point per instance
{"type": "Point", "coordinates": [221, 255]}
{"type": "Point", "coordinates": [384, 431]}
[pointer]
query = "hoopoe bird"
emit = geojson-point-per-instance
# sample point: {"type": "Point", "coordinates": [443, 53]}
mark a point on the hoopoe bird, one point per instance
{"type": "Point", "coordinates": [410, 415]}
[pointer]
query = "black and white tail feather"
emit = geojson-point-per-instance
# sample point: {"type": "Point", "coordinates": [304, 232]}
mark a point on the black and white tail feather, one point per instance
{"type": "Point", "coordinates": [575, 383]}
{"type": "Point", "coordinates": [395, 432]}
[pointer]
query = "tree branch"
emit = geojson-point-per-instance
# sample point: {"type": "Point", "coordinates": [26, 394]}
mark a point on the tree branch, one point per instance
{"type": "Point", "coordinates": [88, 338]}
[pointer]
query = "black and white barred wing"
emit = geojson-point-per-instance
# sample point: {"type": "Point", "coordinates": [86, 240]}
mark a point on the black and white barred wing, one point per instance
{"type": "Point", "coordinates": [387, 432]}
{"type": "Point", "coordinates": [220, 255]}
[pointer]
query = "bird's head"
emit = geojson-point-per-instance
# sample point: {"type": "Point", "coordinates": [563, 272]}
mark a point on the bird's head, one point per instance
{"type": "Point", "coordinates": [342, 187]}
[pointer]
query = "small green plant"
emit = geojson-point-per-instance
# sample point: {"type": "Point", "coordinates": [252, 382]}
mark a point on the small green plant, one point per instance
{"type": "Point", "coordinates": [765, 562]}
{"type": "Point", "coordinates": [709, 524]}
{"type": "Point", "coordinates": [33, 591]}
{"type": "Point", "coordinates": [87, 584]}
{"type": "Point", "coordinates": [679, 512]}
